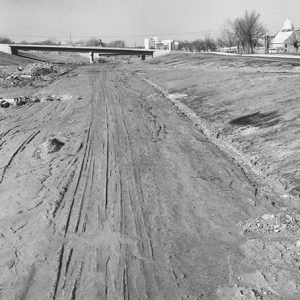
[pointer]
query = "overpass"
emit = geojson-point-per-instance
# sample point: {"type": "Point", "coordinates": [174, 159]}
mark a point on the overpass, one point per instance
{"type": "Point", "coordinates": [14, 48]}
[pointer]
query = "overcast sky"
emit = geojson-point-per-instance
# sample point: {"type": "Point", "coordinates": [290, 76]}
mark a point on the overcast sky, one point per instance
{"type": "Point", "coordinates": [132, 20]}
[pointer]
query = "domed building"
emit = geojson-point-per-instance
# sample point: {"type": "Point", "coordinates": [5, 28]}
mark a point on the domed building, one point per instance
{"type": "Point", "coordinates": [287, 26]}
{"type": "Point", "coordinates": [279, 43]}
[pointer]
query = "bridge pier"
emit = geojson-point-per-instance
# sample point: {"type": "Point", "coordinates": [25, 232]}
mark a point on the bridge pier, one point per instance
{"type": "Point", "coordinates": [91, 57]}
{"type": "Point", "coordinates": [14, 51]}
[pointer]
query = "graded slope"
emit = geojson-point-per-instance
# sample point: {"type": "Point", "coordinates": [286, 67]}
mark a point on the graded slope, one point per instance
{"type": "Point", "coordinates": [249, 103]}
{"type": "Point", "coordinates": [9, 60]}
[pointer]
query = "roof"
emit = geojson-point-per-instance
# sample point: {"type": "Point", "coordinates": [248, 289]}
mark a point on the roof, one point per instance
{"type": "Point", "coordinates": [280, 38]}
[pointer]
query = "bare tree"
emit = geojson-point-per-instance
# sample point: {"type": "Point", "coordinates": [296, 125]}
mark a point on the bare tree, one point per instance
{"type": "Point", "coordinates": [228, 36]}
{"type": "Point", "coordinates": [209, 44]}
{"type": "Point", "coordinates": [248, 30]}
{"type": "Point", "coordinates": [295, 41]}
{"type": "Point", "coordinates": [198, 45]}
{"type": "Point", "coordinates": [93, 42]}
{"type": "Point", "coordinates": [185, 46]}
{"type": "Point", "coordinates": [117, 44]}
{"type": "Point", "coordinates": [5, 40]}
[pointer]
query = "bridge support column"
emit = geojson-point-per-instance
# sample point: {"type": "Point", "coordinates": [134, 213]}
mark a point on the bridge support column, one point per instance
{"type": "Point", "coordinates": [91, 57]}
{"type": "Point", "coordinates": [143, 56]}
{"type": "Point", "coordinates": [14, 51]}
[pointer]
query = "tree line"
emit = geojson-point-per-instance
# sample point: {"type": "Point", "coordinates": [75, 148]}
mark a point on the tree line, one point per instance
{"type": "Point", "coordinates": [245, 32]}
{"type": "Point", "coordinates": [199, 45]}
{"type": "Point", "coordinates": [92, 42]}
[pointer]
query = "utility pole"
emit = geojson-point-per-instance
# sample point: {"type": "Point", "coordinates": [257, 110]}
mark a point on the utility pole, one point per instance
{"type": "Point", "coordinates": [70, 38]}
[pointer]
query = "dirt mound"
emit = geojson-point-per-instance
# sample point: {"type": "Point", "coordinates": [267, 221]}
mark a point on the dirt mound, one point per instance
{"type": "Point", "coordinates": [51, 145]}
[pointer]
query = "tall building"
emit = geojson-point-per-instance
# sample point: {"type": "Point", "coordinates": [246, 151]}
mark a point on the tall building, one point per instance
{"type": "Point", "coordinates": [155, 43]}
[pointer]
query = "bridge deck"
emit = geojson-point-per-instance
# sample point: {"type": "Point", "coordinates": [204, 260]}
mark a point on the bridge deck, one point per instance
{"type": "Point", "coordinates": [106, 50]}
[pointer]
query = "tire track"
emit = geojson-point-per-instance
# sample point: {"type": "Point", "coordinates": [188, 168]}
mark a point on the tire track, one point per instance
{"type": "Point", "coordinates": [78, 180]}
{"type": "Point", "coordinates": [19, 149]}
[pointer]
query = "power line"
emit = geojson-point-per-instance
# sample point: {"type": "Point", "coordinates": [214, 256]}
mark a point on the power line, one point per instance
{"type": "Point", "coordinates": [112, 36]}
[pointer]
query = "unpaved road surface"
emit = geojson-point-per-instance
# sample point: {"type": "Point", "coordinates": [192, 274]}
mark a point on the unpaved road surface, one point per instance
{"type": "Point", "coordinates": [112, 194]}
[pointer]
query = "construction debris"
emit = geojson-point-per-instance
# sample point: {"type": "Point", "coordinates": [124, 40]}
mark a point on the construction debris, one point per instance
{"type": "Point", "coordinates": [274, 224]}
{"type": "Point", "coordinates": [20, 101]}
{"type": "Point", "coordinates": [35, 75]}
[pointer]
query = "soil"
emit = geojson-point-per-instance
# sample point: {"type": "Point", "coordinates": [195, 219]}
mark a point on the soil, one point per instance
{"type": "Point", "coordinates": [119, 190]}
{"type": "Point", "coordinates": [250, 104]}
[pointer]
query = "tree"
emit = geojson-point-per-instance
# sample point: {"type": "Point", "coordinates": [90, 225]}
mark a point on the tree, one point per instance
{"type": "Point", "coordinates": [5, 40]}
{"type": "Point", "coordinates": [93, 42]}
{"type": "Point", "coordinates": [117, 44]}
{"type": "Point", "coordinates": [248, 30]}
{"type": "Point", "coordinates": [185, 46]}
{"type": "Point", "coordinates": [209, 44]}
{"type": "Point", "coordinates": [198, 45]}
{"type": "Point", "coordinates": [49, 41]}
{"type": "Point", "coordinates": [295, 41]}
{"type": "Point", "coordinates": [228, 37]}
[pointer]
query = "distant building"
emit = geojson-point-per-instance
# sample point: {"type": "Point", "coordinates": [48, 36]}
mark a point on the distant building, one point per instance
{"type": "Point", "coordinates": [293, 42]}
{"type": "Point", "coordinates": [155, 43]}
{"type": "Point", "coordinates": [281, 40]}
{"type": "Point", "coordinates": [150, 43]}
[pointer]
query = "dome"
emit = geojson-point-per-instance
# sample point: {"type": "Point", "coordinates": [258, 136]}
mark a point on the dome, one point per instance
{"type": "Point", "coordinates": [288, 25]}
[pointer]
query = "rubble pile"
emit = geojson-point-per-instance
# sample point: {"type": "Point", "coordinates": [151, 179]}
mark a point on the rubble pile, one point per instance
{"type": "Point", "coordinates": [281, 253]}
{"type": "Point", "coordinates": [20, 101]}
{"type": "Point", "coordinates": [35, 75]}
{"type": "Point", "coordinates": [272, 224]}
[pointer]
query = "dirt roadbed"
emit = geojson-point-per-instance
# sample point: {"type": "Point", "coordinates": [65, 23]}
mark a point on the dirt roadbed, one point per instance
{"type": "Point", "coordinates": [110, 193]}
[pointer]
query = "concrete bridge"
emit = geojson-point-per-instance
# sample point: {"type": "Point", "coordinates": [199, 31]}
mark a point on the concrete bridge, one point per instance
{"type": "Point", "coordinates": [14, 48]}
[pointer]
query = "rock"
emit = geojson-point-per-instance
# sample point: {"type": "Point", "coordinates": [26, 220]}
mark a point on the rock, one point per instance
{"type": "Point", "coordinates": [10, 100]}
{"type": "Point", "coordinates": [177, 96]}
{"type": "Point", "coordinates": [25, 76]}
{"type": "Point", "coordinates": [49, 98]}
{"type": "Point", "coordinates": [4, 104]}
{"type": "Point", "coordinates": [20, 101]}
{"type": "Point", "coordinates": [65, 97]}
{"type": "Point", "coordinates": [36, 99]}
{"type": "Point", "coordinates": [15, 77]}
{"type": "Point", "coordinates": [267, 217]}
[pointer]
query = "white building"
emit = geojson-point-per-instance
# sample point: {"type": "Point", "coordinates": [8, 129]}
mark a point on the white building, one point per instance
{"type": "Point", "coordinates": [155, 43]}
{"type": "Point", "coordinates": [278, 43]}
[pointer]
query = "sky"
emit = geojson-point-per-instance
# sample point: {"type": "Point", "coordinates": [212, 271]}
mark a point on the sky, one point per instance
{"type": "Point", "coordinates": [134, 20]}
